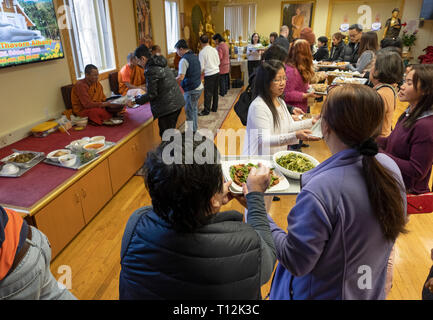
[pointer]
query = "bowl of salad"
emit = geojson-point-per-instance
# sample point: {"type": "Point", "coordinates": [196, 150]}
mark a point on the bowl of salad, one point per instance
{"type": "Point", "coordinates": [293, 164]}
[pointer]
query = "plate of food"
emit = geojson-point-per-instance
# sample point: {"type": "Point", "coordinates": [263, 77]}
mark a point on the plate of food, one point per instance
{"type": "Point", "coordinates": [293, 164]}
{"type": "Point", "coordinates": [344, 80]}
{"type": "Point", "coordinates": [238, 171]}
{"type": "Point", "coordinates": [23, 159]}
{"type": "Point", "coordinates": [320, 88]}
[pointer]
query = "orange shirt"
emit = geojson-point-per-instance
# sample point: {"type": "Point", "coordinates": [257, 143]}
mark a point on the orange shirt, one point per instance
{"type": "Point", "coordinates": [388, 97]}
{"type": "Point", "coordinates": [134, 76]}
{"type": "Point", "coordinates": [85, 97]}
{"type": "Point", "coordinates": [11, 225]}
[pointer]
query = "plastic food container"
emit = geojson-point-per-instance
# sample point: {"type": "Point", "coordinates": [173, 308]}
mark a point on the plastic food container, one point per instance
{"type": "Point", "coordinates": [44, 129]}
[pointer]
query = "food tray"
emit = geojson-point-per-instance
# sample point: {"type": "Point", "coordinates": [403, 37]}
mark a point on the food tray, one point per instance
{"type": "Point", "coordinates": [23, 168]}
{"type": "Point", "coordinates": [108, 145]}
{"type": "Point", "coordinates": [343, 80]}
{"type": "Point", "coordinates": [333, 66]}
{"type": "Point", "coordinates": [78, 165]}
{"type": "Point", "coordinates": [292, 187]}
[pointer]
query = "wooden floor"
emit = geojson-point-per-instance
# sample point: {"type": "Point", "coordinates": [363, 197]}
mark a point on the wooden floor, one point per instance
{"type": "Point", "coordinates": [94, 255]}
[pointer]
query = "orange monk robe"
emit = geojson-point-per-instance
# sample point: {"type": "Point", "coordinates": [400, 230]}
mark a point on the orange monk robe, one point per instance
{"type": "Point", "coordinates": [87, 101]}
{"type": "Point", "coordinates": [134, 76]}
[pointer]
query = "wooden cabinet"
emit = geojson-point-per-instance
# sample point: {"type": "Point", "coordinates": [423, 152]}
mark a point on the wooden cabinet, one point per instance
{"type": "Point", "coordinates": [95, 190]}
{"type": "Point", "coordinates": [63, 218]}
{"type": "Point", "coordinates": [129, 158]}
{"type": "Point", "coordinates": [124, 163]}
{"type": "Point", "coordinates": [68, 212]}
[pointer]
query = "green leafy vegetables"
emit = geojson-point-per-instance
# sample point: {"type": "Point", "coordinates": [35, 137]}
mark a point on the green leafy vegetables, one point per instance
{"type": "Point", "coordinates": [295, 162]}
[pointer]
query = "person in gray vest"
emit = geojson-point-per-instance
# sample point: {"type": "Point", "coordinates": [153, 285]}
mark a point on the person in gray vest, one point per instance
{"type": "Point", "coordinates": [183, 247]}
{"type": "Point", "coordinates": [190, 79]}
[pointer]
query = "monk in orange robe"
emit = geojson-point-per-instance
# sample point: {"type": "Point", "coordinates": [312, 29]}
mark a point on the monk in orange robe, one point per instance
{"type": "Point", "coordinates": [88, 98]}
{"type": "Point", "coordinates": [131, 77]}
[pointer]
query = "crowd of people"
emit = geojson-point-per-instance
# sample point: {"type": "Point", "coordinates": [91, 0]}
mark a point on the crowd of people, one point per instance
{"type": "Point", "coordinates": [183, 247]}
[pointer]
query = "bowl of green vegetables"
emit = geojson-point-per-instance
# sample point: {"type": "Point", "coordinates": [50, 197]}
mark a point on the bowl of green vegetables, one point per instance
{"type": "Point", "coordinates": [293, 164]}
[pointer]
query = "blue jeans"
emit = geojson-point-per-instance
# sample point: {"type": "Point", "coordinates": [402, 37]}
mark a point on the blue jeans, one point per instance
{"type": "Point", "coordinates": [32, 278]}
{"type": "Point", "coordinates": [191, 107]}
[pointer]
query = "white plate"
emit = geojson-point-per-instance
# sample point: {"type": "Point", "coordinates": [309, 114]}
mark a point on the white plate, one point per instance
{"type": "Point", "coordinates": [283, 185]}
{"type": "Point", "coordinates": [317, 129]}
{"type": "Point", "coordinates": [288, 173]}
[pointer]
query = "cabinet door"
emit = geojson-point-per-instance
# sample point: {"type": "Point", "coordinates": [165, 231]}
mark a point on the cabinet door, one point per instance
{"type": "Point", "coordinates": [95, 190]}
{"type": "Point", "coordinates": [124, 164]}
{"type": "Point", "coordinates": [62, 219]}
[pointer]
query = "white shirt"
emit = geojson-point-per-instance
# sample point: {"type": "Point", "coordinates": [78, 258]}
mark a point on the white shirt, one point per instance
{"type": "Point", "coordinates": [209, 60]}
{"type": "Point", "coordinates": [262, 137]}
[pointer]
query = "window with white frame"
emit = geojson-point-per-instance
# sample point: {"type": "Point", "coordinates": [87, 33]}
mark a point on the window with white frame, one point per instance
{"type": "Point", "coordinates": [91, 35]}
{"type": "Point", "coordinates": [172, 24]}
{"type": "Point", "coordinates": [240, 20]}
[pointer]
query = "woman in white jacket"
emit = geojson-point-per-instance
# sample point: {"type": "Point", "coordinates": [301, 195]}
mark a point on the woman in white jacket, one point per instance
{"type": "Point", "coordinates": [270, 126]}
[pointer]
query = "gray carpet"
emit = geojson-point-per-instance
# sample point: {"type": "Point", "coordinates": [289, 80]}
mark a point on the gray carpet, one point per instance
{"type": "Point", "coordinates": [214, 120]}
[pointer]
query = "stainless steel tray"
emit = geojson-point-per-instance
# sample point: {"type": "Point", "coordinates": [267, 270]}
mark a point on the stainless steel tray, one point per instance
{"type": "Point", "coordinates": [78, 165]}
{"type": "Point", "coordinates": [23, 167]}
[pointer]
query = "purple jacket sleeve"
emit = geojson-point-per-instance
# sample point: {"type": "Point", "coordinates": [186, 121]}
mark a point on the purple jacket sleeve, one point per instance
{"type": "Point", "coordinates": [421, 154]}
{"type": "Point", "coordinates": [294, 81]}
{"type": "Point", "coordinates": [381, 142]}
{"type": "Point", "coordinates": [308, 231]}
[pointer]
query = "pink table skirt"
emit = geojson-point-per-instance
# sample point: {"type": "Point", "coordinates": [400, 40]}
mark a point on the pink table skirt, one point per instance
{"type": "Point", "coordinates": [27, 190]}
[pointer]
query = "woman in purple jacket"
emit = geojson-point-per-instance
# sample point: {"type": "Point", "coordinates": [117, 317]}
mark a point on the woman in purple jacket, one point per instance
{"type": "Point", "coordinates": [349, 213]}
{"type": "Point", "coordinates": [410, 145]}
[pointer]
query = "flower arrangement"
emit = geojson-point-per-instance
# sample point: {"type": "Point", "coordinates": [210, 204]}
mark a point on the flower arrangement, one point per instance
{"type": "Point", "coordinates": [409, 39]}
{"type": "Point", "coordinates": [264, 41]}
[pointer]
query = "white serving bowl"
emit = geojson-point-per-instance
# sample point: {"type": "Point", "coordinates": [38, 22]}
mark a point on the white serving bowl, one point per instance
{"type": "Point", "coordinates": [288, 173]}
{"type": "Point", "coordinates": [68, 160]}
{"type": "Point", "coordinates": [90, 146]}
{"type": "Point", "coordinates": [10, 169]}
{"type": "Point", "coordinates": [100, 139]}
{"type": "Point", "coordinates": [54, 157]}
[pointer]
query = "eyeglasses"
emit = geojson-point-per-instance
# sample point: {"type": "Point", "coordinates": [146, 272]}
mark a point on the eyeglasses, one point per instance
{"type": "Point", "coordinates": [279, 80]}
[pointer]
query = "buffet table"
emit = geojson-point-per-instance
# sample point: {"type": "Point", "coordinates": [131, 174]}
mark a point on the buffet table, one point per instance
{"type": "Point", "coordinates": [60, 201]}
{"type": "Point", "coordinates": [243, 63]}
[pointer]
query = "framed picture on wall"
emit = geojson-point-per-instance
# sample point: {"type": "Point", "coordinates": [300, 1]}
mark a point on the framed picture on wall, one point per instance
{"type": "Point", "coordinates": [297, 15]}
{"type": "Point", "coordinates": [143, 22]}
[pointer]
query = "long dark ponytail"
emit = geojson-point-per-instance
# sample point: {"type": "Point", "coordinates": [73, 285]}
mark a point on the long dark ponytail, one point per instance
{"type": "Point", "coordinates": [355, 113]}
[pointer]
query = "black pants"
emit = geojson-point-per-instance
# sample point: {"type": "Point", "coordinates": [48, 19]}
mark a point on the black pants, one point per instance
{"type": "Point", "coordinates": [426, 294]}
{"type": "Point", "coordinates": [252, 65]}
{"type": "Point", "coordinates": [211, 85]}
{"type": "Point", "coordinates": [168, 122]}
{"type": "Point", "coordinates": [224, 84]}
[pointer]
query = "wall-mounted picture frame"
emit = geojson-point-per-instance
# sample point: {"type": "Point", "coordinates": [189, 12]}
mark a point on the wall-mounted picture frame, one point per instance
{"type": "Point", "coordinates": [143, 22]}
{"type": "Point", "coordinates": [297, 15]}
